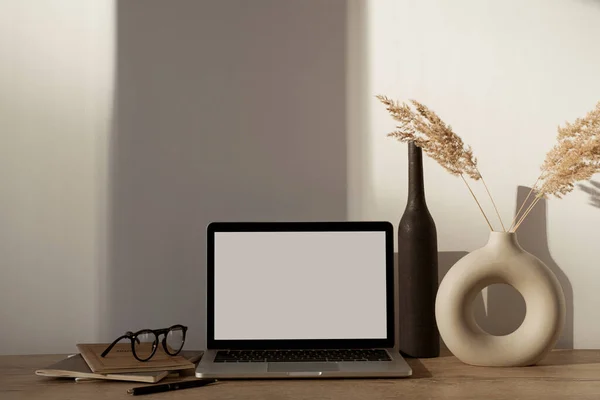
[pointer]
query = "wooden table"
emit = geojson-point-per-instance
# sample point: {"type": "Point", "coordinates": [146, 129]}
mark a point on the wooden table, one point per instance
{"type": "Point", "coordinates": [564, 374]}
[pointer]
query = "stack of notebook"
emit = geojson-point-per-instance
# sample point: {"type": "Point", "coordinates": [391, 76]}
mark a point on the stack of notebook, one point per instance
{"type": "Point", "coordinates": [120, 364]}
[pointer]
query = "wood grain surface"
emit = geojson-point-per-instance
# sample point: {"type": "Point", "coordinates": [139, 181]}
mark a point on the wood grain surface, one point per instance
{"type": "Point", "coordinates": [564, 374]}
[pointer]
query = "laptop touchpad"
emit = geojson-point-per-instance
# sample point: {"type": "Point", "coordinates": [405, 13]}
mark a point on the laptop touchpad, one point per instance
{"type": "Point", "coordinates": [302, 367]}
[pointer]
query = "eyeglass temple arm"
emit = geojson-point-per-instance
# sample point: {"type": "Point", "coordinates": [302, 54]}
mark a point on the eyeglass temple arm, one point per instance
{"type": "Point", "coordinates": [109, 348]}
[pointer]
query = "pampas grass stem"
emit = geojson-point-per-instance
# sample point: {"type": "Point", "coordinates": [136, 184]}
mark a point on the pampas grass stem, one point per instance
{"type": "Point", "coordinates": [524, 202]}
{"type": "Point", "coordinates": [492, 199]}
{"type": "Point", "coordinates": [526, 213]}
{"type": "Point", "coordinates": [476, 201]}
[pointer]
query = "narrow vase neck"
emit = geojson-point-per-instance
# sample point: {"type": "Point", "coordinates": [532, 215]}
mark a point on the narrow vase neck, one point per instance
{"type": "Point", "coordinates": [416, 190]}
{"type": "Point", "coordinates": [503, 240]}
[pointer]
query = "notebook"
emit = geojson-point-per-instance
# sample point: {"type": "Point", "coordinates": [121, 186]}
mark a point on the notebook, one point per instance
{"type": "Point", "coordinates": [121, 360]}
{"type": "Point", "coordinates": [76, 367]}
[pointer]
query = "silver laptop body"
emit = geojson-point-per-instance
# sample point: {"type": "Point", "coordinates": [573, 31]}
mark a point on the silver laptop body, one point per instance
{"type": "Point", "coordinates": [300, 300]}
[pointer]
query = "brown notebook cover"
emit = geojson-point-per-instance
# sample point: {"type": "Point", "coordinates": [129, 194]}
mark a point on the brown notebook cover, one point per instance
{"type": "Point", "coordinates": [120, 359]}
{"type": "Point", "coordinates": [76, 367]}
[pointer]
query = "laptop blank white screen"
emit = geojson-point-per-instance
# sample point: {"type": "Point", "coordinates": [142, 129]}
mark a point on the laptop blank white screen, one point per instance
{"type": "Point", "coordinates": [299, 285]}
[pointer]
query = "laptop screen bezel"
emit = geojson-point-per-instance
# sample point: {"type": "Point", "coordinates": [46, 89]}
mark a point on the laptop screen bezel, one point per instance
{"type": "Point", "coordinates": [370, 226]}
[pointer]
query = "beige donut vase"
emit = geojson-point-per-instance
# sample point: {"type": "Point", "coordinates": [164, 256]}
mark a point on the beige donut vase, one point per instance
{"type": "Point", "coordinates": [501, 260]}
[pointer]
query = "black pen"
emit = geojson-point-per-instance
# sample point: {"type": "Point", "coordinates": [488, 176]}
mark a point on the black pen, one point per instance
{"type": "Point", "coordinates": [166, 387]}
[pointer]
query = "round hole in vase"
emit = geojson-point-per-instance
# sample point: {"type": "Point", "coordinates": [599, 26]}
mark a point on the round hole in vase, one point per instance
{"type": "Point", "coordinates": [501, 260]}
{"type": "Point", "coordinates": [499, 309]}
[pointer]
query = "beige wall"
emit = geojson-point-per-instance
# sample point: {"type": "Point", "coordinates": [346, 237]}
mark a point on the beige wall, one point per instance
{"type": "Point", "coordinates": [125, 128]}
{"type": "Point", "coordinates": [56, 63]}
{"type": "Point", "coordinates": [504, 74]}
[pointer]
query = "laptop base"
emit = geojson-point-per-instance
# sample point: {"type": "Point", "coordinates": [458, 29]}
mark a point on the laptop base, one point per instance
{"type": "Point", "coordinates": [396, 368]}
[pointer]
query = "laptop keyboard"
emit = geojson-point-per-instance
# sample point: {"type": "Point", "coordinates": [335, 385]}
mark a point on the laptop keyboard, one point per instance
{"type": "Point", "coordinates": [228, 356]}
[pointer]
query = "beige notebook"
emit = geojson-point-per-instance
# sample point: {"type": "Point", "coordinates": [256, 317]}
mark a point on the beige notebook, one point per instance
{"type": "Point", "coordinates": [76, 367]}
{"type": "Point", "coordinates": [120, 359]}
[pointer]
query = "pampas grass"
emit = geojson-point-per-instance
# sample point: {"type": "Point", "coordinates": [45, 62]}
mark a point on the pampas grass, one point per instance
{"type": "Point", "coordinates": [575, 157]}
{"type": "Point", "coordinates": [419, 124]}
{"type": "Point", "coordinates": [422, 126]}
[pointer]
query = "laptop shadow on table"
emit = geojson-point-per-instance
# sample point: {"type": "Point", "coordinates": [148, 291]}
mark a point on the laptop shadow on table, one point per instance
{"type": "Point", "coordinates": [419, 371]}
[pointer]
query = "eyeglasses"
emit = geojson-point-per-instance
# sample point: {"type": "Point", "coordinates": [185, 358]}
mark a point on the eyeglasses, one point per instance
{"type": "Point", "coordinates": [145, 342]}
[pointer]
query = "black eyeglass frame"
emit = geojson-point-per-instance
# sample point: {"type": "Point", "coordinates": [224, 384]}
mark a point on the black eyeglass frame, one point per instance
{"type": "Point", "coordinates": [157, 332]}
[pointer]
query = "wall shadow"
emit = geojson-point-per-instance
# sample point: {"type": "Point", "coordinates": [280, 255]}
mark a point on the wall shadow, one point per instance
{"type": "Point", "coordinates": [224, 110]}
{"type": "Point", "coordinates": [533, 237]}
{"type": "Point", "coordinates": [591, 2]}
{"type": "Point", "coordinates": [593, 189]}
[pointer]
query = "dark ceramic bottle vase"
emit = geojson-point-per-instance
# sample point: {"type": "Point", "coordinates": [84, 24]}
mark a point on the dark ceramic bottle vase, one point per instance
{"type": "Point", "coordinates": [418, 335]}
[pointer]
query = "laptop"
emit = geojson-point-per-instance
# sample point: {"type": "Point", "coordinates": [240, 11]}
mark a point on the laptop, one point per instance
{"type": "Point", "coordinates": [300, 300]}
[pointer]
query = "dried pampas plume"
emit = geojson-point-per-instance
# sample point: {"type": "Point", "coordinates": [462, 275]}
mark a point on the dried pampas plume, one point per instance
{"type": "Point", "coordinates": [419, 124]}
{"type": "Point", "coordinates": [425, 128]}
{"type": "Point", "coordinates": [575, 157]}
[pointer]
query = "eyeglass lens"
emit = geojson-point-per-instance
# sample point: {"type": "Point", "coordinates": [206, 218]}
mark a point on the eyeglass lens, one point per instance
{"type": "Point", "coordinates": [174, 340]}
{"type": "Point", "coordinates": [144, 344]}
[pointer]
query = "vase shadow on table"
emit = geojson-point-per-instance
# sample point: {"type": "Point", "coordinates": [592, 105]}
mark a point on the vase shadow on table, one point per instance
{"type": "Point", "coordinates": [504, 310]}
